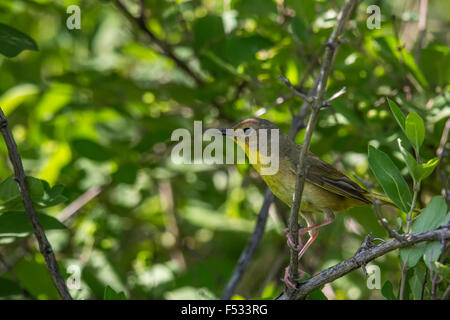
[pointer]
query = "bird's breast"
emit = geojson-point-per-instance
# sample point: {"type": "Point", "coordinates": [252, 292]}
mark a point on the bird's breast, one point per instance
{"type": "Point", "coordinates": [314, 198]}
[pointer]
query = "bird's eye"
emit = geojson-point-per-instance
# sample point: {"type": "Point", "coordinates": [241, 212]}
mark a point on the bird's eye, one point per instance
{"type": "Point", "coordinates": [247, 131]}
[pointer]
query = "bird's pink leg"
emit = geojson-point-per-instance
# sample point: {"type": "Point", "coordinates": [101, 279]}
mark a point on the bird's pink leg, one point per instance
{"type": "Point", "coordinates": [329, 218]}
{"type": "Point", "coordinates": [302, 248]}
{"type": "Point", "coordinates": [291, 243]}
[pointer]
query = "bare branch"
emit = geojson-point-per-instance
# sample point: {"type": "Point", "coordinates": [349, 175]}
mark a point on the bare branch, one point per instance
{"type": "Point", "coordinates": [422, 27]}
{"type": "Point", "coordinates": [78, 203]}
{"type": "Point", "coordinates": [361, 257]}
{"type": "Point", "coordinates": [20, 177]}
{"type": "Point", "coordinates": [330, 52]}
{"type": "Point", "coordinates": [298, 123]}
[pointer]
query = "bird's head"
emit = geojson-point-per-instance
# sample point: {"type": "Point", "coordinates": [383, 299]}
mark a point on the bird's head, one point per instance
{"type": "Point", "coordinates": [259, 138]}
{"type": "Point", "coordinates": [252, 134]}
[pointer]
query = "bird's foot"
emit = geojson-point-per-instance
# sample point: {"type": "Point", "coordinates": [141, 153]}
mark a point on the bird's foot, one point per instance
{"type": "Point", "coordinates": [291, 243]}
{"type": "Point", "coordinates": [286, 279]}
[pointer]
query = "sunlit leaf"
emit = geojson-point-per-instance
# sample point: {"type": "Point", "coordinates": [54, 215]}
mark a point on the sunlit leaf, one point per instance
{"type": "Point", "coordinates": [110, 294]}
{"type": "Point", "coordinates": [398, 114]}
{"type": "Point", "coordinates": [415, 129]}
{"type": "Point", "coordinates": [390, 178]}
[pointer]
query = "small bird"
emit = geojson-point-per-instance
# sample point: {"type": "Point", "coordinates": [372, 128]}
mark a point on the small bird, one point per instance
{"type": "Point", "coordinates": [326, 189]}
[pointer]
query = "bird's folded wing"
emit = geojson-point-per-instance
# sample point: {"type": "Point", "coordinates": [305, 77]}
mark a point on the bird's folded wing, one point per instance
{"type": "Point", "coordinates": [326, 176]}
{"type": "Point", "coordinates": [329, 178]}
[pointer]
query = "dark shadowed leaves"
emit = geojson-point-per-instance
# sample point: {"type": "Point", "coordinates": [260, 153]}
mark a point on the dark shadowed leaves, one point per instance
{"type": "Point", "coordinates": [91, 150]}
{"type": "Point", "coordinates": [17, 223]}
{"type": "Point", "coordinates": [388, 291]}
{"type": "Point", "coordinates": [110, 294]}
{"type": "Point", "coordinates": [14, 41]}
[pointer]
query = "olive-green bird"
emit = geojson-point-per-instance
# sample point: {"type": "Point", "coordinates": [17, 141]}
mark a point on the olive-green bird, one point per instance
{"type": "Point", "coordinates": [326, 189]}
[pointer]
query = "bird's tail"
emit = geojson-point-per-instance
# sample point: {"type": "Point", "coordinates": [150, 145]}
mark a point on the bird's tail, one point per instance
{"type": "Point", "coordinates": [385, 200]}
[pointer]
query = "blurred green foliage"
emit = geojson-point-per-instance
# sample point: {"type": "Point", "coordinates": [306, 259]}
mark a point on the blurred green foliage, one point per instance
{"type": "Point", "coordinates": [96, 107]}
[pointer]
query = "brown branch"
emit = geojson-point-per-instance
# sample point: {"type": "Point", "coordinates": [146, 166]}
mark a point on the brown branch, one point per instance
{"type": "Point", "coordinates": [362, 257]}
{"type": "Point", "coordinates": [78, 203]}
{"type": "Point", "coordinates": [298, 123]}
{"type": "Point", "coordinates": [442, 153]}
{"type": "Point", "coordinates": [422, 27]}
{"type": "Point", "coordinates": [162, 47]}
{"type": "Point", "coordinates": [325, 70]}
{"type": "Point", "coordinates": [20, 177]}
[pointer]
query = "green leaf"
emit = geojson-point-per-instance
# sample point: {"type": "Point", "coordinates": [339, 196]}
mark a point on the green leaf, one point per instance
{"type": "Point", "coordinates": [427, 168]}
{"type": "Point", "coordinates": [300, 29]}
{"type": "Point", "coordinates": [14, 41]}
{"type": "Point", "coordinates": [398, 114]}
{"type": "Point", "coordinates": [8, 288]}
{"type": "Point", "coordinates": [416, 281]}
{"type": "Point", "coordinates": [433, 216]}
{"type": "Point", "coordinates": [16, 95]}
{"type": "Point", "coordinates": [42, 195]}
{"type": "Point", "coordinates": [432, 253]}
{"type": "Point", "coordinates": [388, 291]}
{"type": "Point", "coordinates": [410, 63]}
{"type": "Point", "coordinates": [243, 49]}
{"type": "Point", "coordinates": [110, 294]}
{"type": "Point", "coordinates": [413, 254]}
{"type": "Point", "coordinates": [126, 173]}
{"type": "Point", "coordinates": [442, 269]}
{"type": "Point", "coordinates": [35, 187]}
{"type": "Point", "coordinates": [411, 163]}
{"type": "Point", "coordinates": [390, 178]}
{"type": "Point", "coordinates": [17, 223]}
{"type": "Point", "coordinates": [8, 190]}
{"type": "Point", "coordinates": [33, 275]}
{"type": "Point", "coordinates": [317, 295]}
{"type": "Point", "coordinates": [91, 150]}
{"type": "Point", "coordinates": [415, 130]}
{"type": "Point", "coordinates": [419, 171]}
{"type": "Point", "coordinates": [206, 30]}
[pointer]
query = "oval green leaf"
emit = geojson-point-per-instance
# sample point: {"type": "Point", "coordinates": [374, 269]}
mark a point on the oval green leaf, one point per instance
{"type": "Point", "coordinates": [12, 223]}
{"type": "Point", "coordinates": [390, 178]}
{"type": "Point", "coordinates": [398, 114]}
{"type": "Point", "coordinates": [14, 41]}
{"type": "Point", "coordinates": [415, 129]}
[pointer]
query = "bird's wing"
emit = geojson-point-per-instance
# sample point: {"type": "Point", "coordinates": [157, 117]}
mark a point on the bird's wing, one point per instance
{"type": "Point", "coordinates": [329, 178]}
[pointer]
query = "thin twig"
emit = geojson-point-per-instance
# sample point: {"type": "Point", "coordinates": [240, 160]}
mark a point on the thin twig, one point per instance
{"type": "Point", "coordinates": [442, 153]}
{"type": "Point", "coordinates": [78, 203]}
{"type": "Point", "coordinates": [325, 70]}
{"type": "Point", "coordinates": [424, 282]}
{"type": "Point", "coordinates": [422, 27]}
{"type": "Point", "coordinates": [364, 256]}
{"type": "Point", "coordinates": [20, 177]}
{"type": "Point", "coordinates": [162, 47]}
{"type": "Point", "coordinates": [446, 293]}
{"type": "Point", "coordinates": [403, 279]}
{"type": "Point", "coordinates": [391, 233]}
